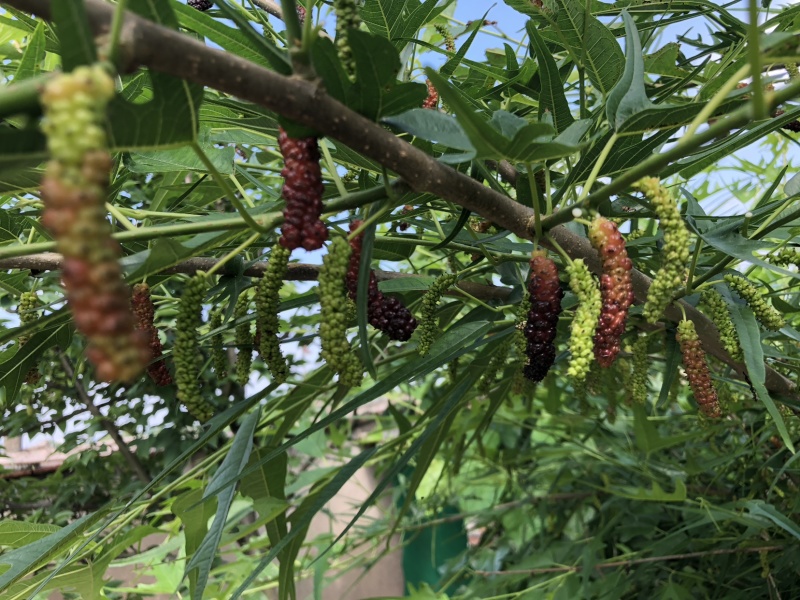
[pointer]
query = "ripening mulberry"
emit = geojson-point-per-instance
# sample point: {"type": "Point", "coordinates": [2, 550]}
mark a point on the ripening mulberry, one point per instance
{"type": "Point", "coordinates": [584, 323]}
{"type": "Point", "coordinates": [615, 288]}
{"type": "Point", "coordinates": [267, 321]}
{"type": "Point", "coordinates": [432, 101]}
{"type": "Point", "coordinates": [302, 191]}
{"type": "Point", "coordinates": [786, 257]}
{"type": "Point", "coordinates": [675, 252]}
{"type": "Point", "coordinates": [540, 330]}
{"type": "Point", "coordinates": [202, 5]}
{"type": "Point", "coordinates": [244, 340]}
{"type": "Point", "coordinates": [694, 361]}
{"type": "Point", "coordinates": [347, 19]}
{"type": "Point", "coordinates": [720, 314]}
{"type": "Point", "coordinates": [769, 317]}
{"type": "Point", "coordinates": [145, 313]}
{"type": "Point", "coordinates": [427, 321]}
{"type": "Point", "coordinates": [219, 357]}
{"type": "Point", "coordinates": [385, 313]}
{"type": "Point", "coordinates": [639, 375]}
{"type": "Point", "coordinates": [74, 193]}
{"type": "Point", "coordinates": [333, 301]}
{"type": "Point", "coordinates": [449, 40]}
{"type": "Point", "coordinates": [188, 360]}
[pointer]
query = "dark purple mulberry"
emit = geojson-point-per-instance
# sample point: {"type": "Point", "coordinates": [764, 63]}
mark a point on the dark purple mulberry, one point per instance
{"type": "Point", "coordinates": [201, 4]}
{"type": "Point", "coordinates": [302, 191]}
{"type": "Point", "coordinates": [385, 313]}
{"type": "Point", "coordinates": [540, 330]}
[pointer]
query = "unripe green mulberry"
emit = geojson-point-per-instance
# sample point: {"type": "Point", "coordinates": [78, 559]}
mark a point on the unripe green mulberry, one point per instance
{"type": "Point", "coordinates": [694, 361]}
{"type": "Point", "coordinates": [333, 300]}
{"type": "Point", "coordinates": [28, 313]}
{"type": "Point", "coordinates": [188, 361]}
{"type": "Point", "coordinates": [764, 312]}
{"type": "Point", "coordinates": [449, 40]}
{"type": "Point", "coordinates": [785, 257]}
{"type": "Point", "coordinates": [244, 340]}
{"type": "Point", "coordinates": [584, 323]}
{"type": "Point", "coordinates": [615, 287]}
{"type": "Point", "coordinates": [675, 251]}
{"type": "Point", "coordinates": [720, 314]}
{"type": "Point", "coordinates": [493, 368]}
{"type": "Point", "coordinates": [219, 357]}
{"type": "Point", "coordinates": [267, 302]}
{"type": "Point", "coordinates": [428, 330]}
{"type": "Point", "coordinates": [641, 364]}
{"type": "Point", "coordinates": [347, 19]}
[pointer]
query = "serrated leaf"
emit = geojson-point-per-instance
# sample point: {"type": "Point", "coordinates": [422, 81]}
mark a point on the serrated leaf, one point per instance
{"type": "Point", "coordinates": [628, 97]}
{"type": "Point", "coordinates": [399, 20]}
{"type": "Point", "coordinates": [19, 533]}
{"type": "Point", "coordinates": [180, 159]}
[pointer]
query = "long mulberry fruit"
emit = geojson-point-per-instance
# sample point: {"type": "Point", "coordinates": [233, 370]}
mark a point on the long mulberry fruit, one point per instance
{"type": "Point", "coordinates": [584, 323]}
{"type": "Point", "coordinates": [202, 5]}
{"type": "Point", "coordinates": [145, 313]}
{"type": "Point", "coordinates": [188, 361]}
{"type": "Point", "coordinates": [302, 191]}
{"type": "Point", "coordinates": [432, 101]}
{"type": "Point", "coordinates": [785, 257]}
{"type": "Point", "coordinates": [219, 357]}
{"type": "Point", "coordinates": [347, 19]}
{"type": "Point", "coordinates": [694, 361]}
{"type": "Point", "coordinates": [28, 313]}
{"type": "Point", "coordinates": [764, 312]}
{"type": "Point", "coordinates": [639, 374]}
{"type": "Point", "coordinates": [267, 323]}
{"type": "Point", "coordinates": [244, 340]}
{"type": "Point", "coordinates": [615, 288]}
{"type": "Point", "coordinates": [74, 194]}
{"type": "Point", "coordinates": [720, 314]}
{"type": "Point", "coordinates": [385, 313]}
{"type": "Point", "coordinates": [333, 301]}
{"type": "Point", "coordinates": [449, 40]}
{"type": "Point", "coordinates": [675, 251]}
{"type": "Point", "coordinates": [427, 320]}
{"type": "Point", "coordinates": [540, 330]}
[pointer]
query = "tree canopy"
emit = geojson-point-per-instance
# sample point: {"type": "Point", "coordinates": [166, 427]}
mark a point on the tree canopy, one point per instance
{"type": "Point", "coordinates": [538, 274]}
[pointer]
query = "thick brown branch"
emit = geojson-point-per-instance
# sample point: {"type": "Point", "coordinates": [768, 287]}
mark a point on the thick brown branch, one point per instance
{"type": "Point", "coordinates": [167, 51]}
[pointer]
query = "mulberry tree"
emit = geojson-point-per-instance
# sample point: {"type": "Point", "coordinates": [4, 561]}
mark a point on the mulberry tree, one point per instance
{"type": "Point", "coordinates": [535, 270]}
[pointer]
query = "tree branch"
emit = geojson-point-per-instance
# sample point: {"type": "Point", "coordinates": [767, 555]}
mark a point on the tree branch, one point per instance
{"type": "Point", "coordinates": [52, 261]}
{"type": "Point", "coordinates": [171, 52]}
{"type": "Point", "coordinates": [110, 427]}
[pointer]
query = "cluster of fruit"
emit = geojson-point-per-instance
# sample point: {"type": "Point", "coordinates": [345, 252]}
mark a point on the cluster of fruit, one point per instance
{"type": "Point", "coordinates": [145, 313]}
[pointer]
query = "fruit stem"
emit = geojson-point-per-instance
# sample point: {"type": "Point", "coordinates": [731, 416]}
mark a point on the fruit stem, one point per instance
{"type": "Point", "coordinates": [537, 217]}
{"type": "Point", "coordinates": [754, 59]}
{"type": "Point", "coordinates": [121, 219]}
{"type": "Point", "coordinates": [557, 247]}
{"type": "Point", "coordinates": [587, 186]}
{"type": "Point", "coordinates": [116, 33]}
{"type": "Point", "coordinates": [698, 244]}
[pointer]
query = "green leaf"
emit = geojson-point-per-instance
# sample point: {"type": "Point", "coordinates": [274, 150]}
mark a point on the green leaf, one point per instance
{"type": "Point", "coordinates": [26, 559]}
{"type": "Point", "coordinates": [750, 342]}
{"type": "Point", "coordinates": [406, 284]}
{"type": "Point", "coordinates": [433, 126]}
{"type": "Point", "coordinates": [552, 99]}
{"type": "Point", "coordinates": [377, 65]}
{"type": "Point", "coordinates": [14, 370]}
{"type": "Point", "coordinates": [759, 508]}
{"type": "Point", "coordinates": [628, 97]}
{"type": "Point", "coordinates": [194, 513]}
{"type": "Point", "coordinates": [180, 159]}
{"type": "Point", "coordinates": [655, 494]}
{"type": "Point", "coordinates": [399, 20]}
{"type": "Point", "coordinates": [589, 42]}
{"type": "Point", "coordinates": [19, 533]}
{"type": "Point", "coordinates": [74, 34]}
{"type": "Point", "coordinates": [30, 65]}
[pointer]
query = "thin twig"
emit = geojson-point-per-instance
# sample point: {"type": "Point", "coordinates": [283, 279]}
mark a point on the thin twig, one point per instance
{"type": "Point", "coordinates": [108, 425]}
{"type": "Point", "coordinates": [269, 6]}
{"type": "Point", "coordinates": [629, 563]}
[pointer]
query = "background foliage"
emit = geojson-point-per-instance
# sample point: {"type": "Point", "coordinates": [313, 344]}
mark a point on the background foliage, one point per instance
{"type": "Point", "coordinates": [569, 492]}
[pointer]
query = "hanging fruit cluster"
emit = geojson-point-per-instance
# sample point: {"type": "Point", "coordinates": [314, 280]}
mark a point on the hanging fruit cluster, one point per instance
{"type": "Point", "coordinates": [267, 322]}
{"type": "Point", "coordinates": [767, 315]}
{"type": "Point", "coordinates": [675, 250]}
{"type": "Point", "coordinates": [74, 194]}
{"type": "Point", "coordinates": [333, 318]}
{"type": "Point", "coordinates": [302, 191]}
{"type": "Point", "coordinates": [385, 313]}
{"type": "Point", "coordinates": [347, 19]}
{"type": "Point", "coordinates": [201, 5]}
{"type": "Point", "coordinates": [432, 101]}
{"type": "Point", "coordinates": [615, 287]}
{"type": "Point", "coordinates": [694, 361]}
{"type": "Point", "coordinates": [584, 323]}
{"type": "Point", "coordinates": [639, 372]}
{"type": "Point", "coordinates": [427, 320]}
{"type": "Point", "coordinates": [545, 307]}
{"type": "Point", "coordinates": [720, 314]}
{"type": "Point", "coordinates": [244, 340]}
{"type": "Point", "coordinates": [145, 313]}
{"type": "Point", "coordinates": [28, 313]}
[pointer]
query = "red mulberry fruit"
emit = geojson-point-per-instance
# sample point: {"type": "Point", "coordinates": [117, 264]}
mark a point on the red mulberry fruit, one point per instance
{"type": "Point", "coordinates": [202, 5]}
{"type": "Point", "coordinates": [432, 101]}
{"type": "Point", "coordinates": [385, 313]}
{"type": "Point", "coordinates": [74, 194]}
{"type": "Point", "coordinates": [540, 330]}
{"type": "Point", "coordinates": [615, 288]}
{"type": "Point", "coordinates": [302, 191]}
{"type": "Point", "coordinates": [694, 361]}
{"type": "Point", "coordinates": [144, 311]}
